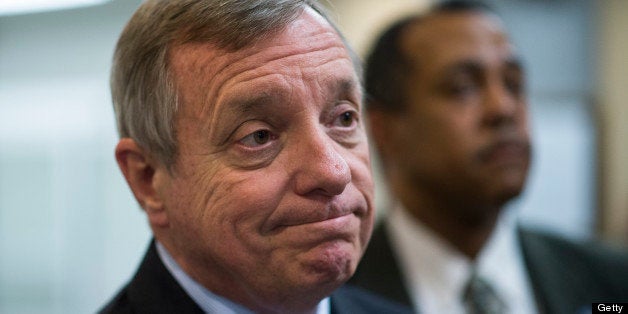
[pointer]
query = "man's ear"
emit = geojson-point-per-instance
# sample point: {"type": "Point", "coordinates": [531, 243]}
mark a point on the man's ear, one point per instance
{"type": "Point", "coordinates": [144, 176]}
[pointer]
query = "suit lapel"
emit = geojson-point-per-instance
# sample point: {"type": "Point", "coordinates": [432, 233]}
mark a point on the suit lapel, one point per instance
{"type": "Point", "coordinates": [154, 290]}
{"type": "Point", "coordinates": [349, 299]}
{"type": "Point", "coordinates": [557, 279]}
{"type": "Point", "coordinates": [379, 269]}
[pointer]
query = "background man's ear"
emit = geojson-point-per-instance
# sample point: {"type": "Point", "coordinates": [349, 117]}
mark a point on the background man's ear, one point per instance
{"type": "Point", "coordinates": [142, 173]}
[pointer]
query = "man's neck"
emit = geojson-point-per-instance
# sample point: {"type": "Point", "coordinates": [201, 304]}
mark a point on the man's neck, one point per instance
{"type": "Point", "coordinates": [465, 225]}
{"type": "Point", "coordinates": [468, 238]}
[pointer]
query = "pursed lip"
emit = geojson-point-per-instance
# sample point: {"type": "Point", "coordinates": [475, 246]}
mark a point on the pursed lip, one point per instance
{"type": "Point", "coordinates": [332, 215]}
{"type": "Point", "coordinates": [333, 230]}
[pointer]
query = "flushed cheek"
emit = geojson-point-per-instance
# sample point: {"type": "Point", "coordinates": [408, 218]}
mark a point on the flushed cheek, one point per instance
{"type": "Point", "coordinates": [240, 207]}
{"type": "Point", "coordinates": [221, 208]}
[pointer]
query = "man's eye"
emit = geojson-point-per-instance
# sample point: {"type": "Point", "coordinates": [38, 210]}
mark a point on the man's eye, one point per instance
{"type": "Point", "coordinates": [347, 119]}
{"type": "Point", "coordinates": [461, 85]}
{"type": "Point", "coordinates": [514, 85]}
{"type": "Point", "coordinates": [460, 89]}
{"type": "Point", "coordinates": [257, 138]}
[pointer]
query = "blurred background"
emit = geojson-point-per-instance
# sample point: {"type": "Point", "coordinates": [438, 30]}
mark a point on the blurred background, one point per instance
{"type": "Point", "coordinates": [71, 233]}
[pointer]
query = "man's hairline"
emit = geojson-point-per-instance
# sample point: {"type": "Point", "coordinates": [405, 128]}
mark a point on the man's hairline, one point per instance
{"type": "Point", "coordinates": [411, 63]}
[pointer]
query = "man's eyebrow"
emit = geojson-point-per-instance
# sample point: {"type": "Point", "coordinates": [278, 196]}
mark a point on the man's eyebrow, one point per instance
{"type": "Point", "coordinates": [515, 62]}
{"type": "Point", "coordinates": [238, 107]}
{"type": "Point", "coordinates": [475, 66]}
{"type": "Point", "coordinates": [346, 88]}
{"type": "Point", "coordinates": [249, 103]}
{"type": "Point", "coordinates": [252, 103]}
{"type": "Point", "coordinates": [346, 85]}
{"type": "Point", "coordinates": [464, 66]}
{"type": "Point", "coordinates": [243, 103]}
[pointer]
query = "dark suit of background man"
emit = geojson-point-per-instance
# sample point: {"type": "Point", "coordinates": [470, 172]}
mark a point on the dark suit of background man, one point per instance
{"type": "Point", "coordinates": [241, 138]}
{"type": "Point", "coordinates": [447, 103]}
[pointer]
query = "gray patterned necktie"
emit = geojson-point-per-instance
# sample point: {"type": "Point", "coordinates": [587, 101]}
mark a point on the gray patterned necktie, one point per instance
{"type": "Point", "coordinates": [480, 298]}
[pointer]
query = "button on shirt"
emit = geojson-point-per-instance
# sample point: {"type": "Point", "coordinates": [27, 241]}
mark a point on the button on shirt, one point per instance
{"type": "Point", "coordinates": [436, 273]}
{"type": "Point", "coordinates": [205, 299]}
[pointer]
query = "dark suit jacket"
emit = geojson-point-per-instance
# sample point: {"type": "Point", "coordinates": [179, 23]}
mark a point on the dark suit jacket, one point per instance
{"type": "Point", "coordinates": [566, 277]}
{"type": "Point", "coordinates": [154, 290]}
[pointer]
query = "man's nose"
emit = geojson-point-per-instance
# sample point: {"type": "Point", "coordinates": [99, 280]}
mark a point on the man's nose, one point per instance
{"type": "Point", "coordinates": [500, 104]}
{"type": "Point", "coordinates": [321, 167]}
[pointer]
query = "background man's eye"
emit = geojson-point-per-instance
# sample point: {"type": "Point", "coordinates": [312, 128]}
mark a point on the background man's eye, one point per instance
{"type": "Point", "coordinates": [514, 86]}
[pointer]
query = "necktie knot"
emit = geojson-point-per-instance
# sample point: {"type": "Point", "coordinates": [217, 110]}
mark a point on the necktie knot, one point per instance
{"type": "Point", "coordinates": [480, 297]}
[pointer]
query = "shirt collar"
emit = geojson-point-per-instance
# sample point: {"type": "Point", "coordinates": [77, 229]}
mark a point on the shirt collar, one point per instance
{"type": "Point", "coordinates": [205, 299]}
{"type": "Point", "coordinates": [436, 272]}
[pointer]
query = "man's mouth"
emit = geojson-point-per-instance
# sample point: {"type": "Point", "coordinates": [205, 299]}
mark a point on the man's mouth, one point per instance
{"type": "Point", "coordinates": [332, 215]}
{"type": "Point", "coordinates": [506, 152]}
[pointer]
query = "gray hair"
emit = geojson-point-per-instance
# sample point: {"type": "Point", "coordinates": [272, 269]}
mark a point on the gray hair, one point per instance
{"type": "Point", "coordinates": [142, 86]}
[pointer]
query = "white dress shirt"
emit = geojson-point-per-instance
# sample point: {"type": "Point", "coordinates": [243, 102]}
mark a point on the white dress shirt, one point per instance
{"type": "Point", "coordinates": [205, 299]}
{"type": "Point", "coordinates": [436, 273]}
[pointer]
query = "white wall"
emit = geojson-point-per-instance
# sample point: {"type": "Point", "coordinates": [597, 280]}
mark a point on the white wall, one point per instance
{"type": "Point", "coordinates": [70, 231]}
{"type": "Point", "coordinates": [360, 19]}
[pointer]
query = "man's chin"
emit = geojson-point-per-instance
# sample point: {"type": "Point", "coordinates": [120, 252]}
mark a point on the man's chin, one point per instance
{"type": "Point", "coordinates": [509, 191]}
{"type": "Point", "coordinates": [509, 182]}
{"type": "Point", "coordinates": [320, 272]}
{"type": "Point", "coordinates": [331, 263]}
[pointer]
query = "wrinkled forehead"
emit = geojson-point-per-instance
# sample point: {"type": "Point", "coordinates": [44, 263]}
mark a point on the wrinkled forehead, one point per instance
{"type": "Point", "coordinates": [443, 38]}
{"type": "Point", "coordinates": [309, 22]}
{"type": "Point", "coordinates": [201, 70]}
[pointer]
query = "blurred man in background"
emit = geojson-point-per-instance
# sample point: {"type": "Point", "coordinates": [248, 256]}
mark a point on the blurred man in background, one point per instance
{"type": "Point", "coordinates": [242, 140]}
{"type": "Point", "coordinates": [448, 108]}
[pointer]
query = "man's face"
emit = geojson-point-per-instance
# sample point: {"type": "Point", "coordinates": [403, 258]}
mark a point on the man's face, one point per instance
{"type": "Point", "coordinates": [464, 134]}
{"type": "Point", "coordinates": [271, 194]}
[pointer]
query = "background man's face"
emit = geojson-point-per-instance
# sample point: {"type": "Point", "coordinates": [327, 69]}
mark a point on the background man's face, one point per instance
{"type": "Point", "coordinates": [272, 190]}
{"type": "Point", "coordinates": [465, 127]}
